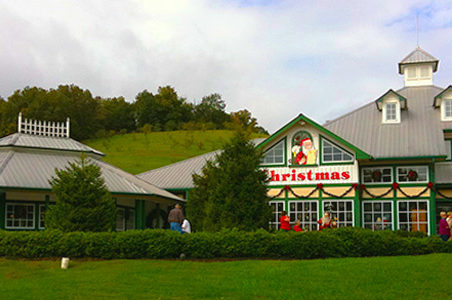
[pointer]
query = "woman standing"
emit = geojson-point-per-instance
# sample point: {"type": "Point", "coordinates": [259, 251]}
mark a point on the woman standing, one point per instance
{"type": "Point", "coordinates": [284, 220]}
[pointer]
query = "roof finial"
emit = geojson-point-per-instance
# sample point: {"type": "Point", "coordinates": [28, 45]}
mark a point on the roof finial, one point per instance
{"type": "Point", "coordinates": [417, 29]}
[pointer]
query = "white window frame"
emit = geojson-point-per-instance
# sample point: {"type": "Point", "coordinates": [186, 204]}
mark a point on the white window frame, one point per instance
{"type": "Point", "coordinates": [443, 110]}
{"type": "Point", "coordinates": [284, 159]}
{"type": "Point", "coordinates": [39, 216]}
{"type": "Point", "coordinates": [305, 223]}
{"type": "Point", "coordinates": [374, 168]}
{"type": "Point", "coordinates": [20, 227]}
{"type": "Point", "coordinates": [397, 112]}
{"type": "Point", "coordinates": [427, 222]}
{"type": "Point", "coordinates": [373, 212]}
{"type": "Point", "coordinates": [412, 167]}
{"type": "Point", "coordinates": [337, 201]}
{"type": "Point", "coordinates": [323, 140]}
{"type": "Point", "coordinates": [123, 219]}
{"type": "Point", "coordinates": [276, 221]}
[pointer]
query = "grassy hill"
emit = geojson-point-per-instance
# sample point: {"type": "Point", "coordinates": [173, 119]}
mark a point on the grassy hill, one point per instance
{"type": "Point", "coordinates": [140, 152]}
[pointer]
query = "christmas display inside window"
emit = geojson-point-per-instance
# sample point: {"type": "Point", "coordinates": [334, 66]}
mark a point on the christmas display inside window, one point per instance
{"type": "Point", "coordinates": [303, 149]}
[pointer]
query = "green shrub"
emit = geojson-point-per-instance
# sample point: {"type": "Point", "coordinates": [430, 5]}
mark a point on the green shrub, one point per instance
{"type": "Point", "coordinates": [159, 243]}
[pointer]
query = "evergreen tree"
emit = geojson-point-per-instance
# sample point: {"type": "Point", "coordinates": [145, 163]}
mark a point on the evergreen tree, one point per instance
{"type": "Point", "coordinates": [83, 201]}
{"type": "Point", "coordinates": [231, 192]}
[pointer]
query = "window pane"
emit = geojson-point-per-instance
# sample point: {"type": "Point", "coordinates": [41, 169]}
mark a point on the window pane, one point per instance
{"type": "Point", "coordinates": [306, 212]}
{"type": "Point", "coordinates": [332, 153]}
{"type": "Point", "coordinates": [274, 155]}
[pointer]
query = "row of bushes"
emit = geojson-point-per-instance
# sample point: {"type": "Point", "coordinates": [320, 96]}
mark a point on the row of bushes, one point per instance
{"type": "Point", "coordinates": [342, 242]}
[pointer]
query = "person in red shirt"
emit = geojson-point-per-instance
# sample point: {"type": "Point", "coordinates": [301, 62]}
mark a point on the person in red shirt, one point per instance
{"type": "Point", "coordinates": [284, 220]}
{"type": "Point", "coordinates": [297, 227]}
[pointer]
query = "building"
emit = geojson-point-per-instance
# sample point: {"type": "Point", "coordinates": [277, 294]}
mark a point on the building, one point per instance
{"type": "Point", "coordinates": [28, 160]}
{"type": "Point", "coordinates": [384, 166]}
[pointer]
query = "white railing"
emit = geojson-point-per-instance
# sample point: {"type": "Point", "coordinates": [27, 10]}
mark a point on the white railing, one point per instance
{"type": "Point", "coordinates": [45, 128]}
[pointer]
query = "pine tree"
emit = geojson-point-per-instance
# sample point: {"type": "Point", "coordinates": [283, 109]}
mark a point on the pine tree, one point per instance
{"type": "Point", "coordinates": [231, 191]}
{"type": "Point", "coordinates": [83, 201]}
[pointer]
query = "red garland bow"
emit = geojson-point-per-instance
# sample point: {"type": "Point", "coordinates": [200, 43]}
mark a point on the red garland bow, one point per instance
{"type": "Point", "coordinates": [395, 185]}
{"type": "Point", "coordinates": [320, 186]}
{"type": "Point", "coordinates": [430, 185]}
{"type": "Point", "coordinates": [363, 187]}
{"type": "Point", "coordinates": [355, 186]}
{"type": "Point", "coordinates": [287, 187]}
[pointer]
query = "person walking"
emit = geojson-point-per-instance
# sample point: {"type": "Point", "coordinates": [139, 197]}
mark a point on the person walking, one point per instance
{"type": "Point", "coordinates": [176, 218]}
{"type": "Point", "coordinates": [284, 220]}
{"type": "Point", "coordinates": [444, 230]}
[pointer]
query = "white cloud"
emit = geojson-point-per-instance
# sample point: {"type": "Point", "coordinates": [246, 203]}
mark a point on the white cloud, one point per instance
{"type": "Point", "coordinates": [275, 58]}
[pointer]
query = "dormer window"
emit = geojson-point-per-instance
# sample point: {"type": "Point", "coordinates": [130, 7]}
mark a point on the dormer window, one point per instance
{"type": "Point", "coordinates": [390, 105]}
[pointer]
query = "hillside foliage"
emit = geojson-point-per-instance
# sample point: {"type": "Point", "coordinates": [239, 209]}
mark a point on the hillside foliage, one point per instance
{"type": "Point", "coordinates": [99, 117]}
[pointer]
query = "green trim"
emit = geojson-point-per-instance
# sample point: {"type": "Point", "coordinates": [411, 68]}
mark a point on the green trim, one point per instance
{"type": "Point", "coordinates": [320, 208]}
{"type": "Point", "coordinates": [284, 139]}
{"type": "Point", "coordinates": [411, 157]}
{"type": "Point", "coordinates": [139, 214]}
{"type": "Point", "coordinates": [357, 209]}
{"type": "Point", "coordinates": [360, 154]}
{"type": "Point", "coordinates": [432, 205]}
{"type": "Point", "coordinates": [380, 100]}
{"type": "Point", "coordinates": [303, 166]}
{"type": "Point", "coordinates": [310, 185]}
{"type": "Point", "coordinates": [321, 137]}
{"type": "Point", "coordinates": [47, 202]}
{"type": "Point", "coordinates": [2, 209]}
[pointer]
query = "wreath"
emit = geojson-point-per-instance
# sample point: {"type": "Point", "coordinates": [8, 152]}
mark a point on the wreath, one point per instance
{"type": "Point", "coordinates": [376, 176]}
{"type": "Point", "coordinates": [412, 175]}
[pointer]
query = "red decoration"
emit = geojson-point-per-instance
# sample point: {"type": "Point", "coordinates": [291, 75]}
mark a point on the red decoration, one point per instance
{"type": "Point", "coordinates": [287, 187]}
{"type": "Point", "coordinates": [320, 186]}
{"type": "Point", "coordinates": [395, 185]}
{"type": "Point", "coordinates": [412, 175]}
{"type": "Point", "coordinates": [430, 185]}
{"type": "Point", "coordinates": [355, 186]}
{"type": "Point", "coordinates": [363, 187]}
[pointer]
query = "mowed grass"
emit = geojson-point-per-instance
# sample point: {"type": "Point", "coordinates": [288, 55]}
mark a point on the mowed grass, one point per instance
{"type": "Point", "coordinates": [404, 277]}
{"type": "Point", "coordinates": [140, 152]}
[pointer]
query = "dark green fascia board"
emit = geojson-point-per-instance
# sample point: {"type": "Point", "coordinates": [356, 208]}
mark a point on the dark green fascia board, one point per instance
{"type": "Point", "coordinates": [447, 130]}
{"type": "Point", "coordinates": [52, 149]}
{"type": "Point", "coordinates": [412, 158]}
{"type": "Point", "coordinates": [113, 193]}
{"type": "Point", "coordinates": [360, 154]}
{"type": "Point", "coordinates": [440, 95]}
{"type": "Point", "coordinates": [380, 100]}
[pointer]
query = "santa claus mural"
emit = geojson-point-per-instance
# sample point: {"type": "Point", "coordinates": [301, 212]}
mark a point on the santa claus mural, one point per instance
{"type": "Point", "coordinates": [304, 153]}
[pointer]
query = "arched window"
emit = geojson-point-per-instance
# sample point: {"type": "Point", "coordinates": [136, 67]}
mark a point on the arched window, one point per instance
{"type": "Point", "coordinates": [303, 151]}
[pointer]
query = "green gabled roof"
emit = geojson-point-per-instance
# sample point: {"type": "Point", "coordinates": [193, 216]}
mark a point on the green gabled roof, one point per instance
{"type": "Point", "coordinates": [379, 101]}
{"type": "Point", "coordinates": [440, 95]}
{"type": "Point", "coordinates": [360, 154]}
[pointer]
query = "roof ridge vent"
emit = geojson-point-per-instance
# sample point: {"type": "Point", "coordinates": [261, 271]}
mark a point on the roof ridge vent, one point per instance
{"type": "Point", "coordinates": [43, 128]}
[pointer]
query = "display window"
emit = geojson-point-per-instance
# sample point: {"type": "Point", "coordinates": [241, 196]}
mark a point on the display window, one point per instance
{"type": "Point", "coordinates": [20, 216]}
{"type": "Point", "coordinates": [411, 174]}
{"type": "Point", "coordinates": [277, 207]}
{"type": "Point", "coordinates": [305, 211]}
{"type": "Point", "coordinates": [377, 215]}
{"type": "Point", "coordinates": [377, 175]}
{"type": "Point", "coordinates": [342, 210]}
{"type": "Point", "coordinates": [413, 215]}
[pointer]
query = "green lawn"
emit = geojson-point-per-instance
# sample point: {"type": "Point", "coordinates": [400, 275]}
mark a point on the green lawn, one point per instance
{"type": "Point", "coordinates": [404, 277]}
{"type": "Point", "coordinates": [139, 152]}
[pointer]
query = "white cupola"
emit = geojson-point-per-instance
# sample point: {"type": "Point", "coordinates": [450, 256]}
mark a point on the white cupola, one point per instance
{"type": "Point", "coordinates": [418, 68]}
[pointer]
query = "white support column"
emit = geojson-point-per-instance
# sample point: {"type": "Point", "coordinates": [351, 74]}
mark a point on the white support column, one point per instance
{"type": "Point", "coordinates": [19, 123]}
{"type": "Point", "coordinates": [68, 127]}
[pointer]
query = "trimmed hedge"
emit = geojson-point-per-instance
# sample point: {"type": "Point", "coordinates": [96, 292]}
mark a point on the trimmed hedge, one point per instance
{"type": "Point", "coordinates": [342, 242]}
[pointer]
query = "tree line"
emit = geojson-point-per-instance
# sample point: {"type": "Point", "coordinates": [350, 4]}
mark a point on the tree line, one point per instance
{"type": "Point", "coordinates": [93, 117]}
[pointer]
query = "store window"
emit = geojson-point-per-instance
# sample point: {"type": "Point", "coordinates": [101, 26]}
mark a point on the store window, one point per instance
{"type": "Point", "coordinates": [277, 207]}
{"type": "Point", "coordinates": [413, 215]}
{"type": "Point", "coordinates": [305, 211]}
{"type": "Point", "coordinates": [377, 215]}
{"type": "Point", "coordinates": [340, 209]}
{"type": "Point", "coordinates": [125, 218]}
{"type": "Point", "coordinates": [20, 216]}
{"type": "Point", "coordinates": [275, 155]}
{"type": "Point", "coordinates": [377, 175]}
{"type": "Point", "coordinates": [332, 153]}
{"type": "Point", "coordinates": [412, 174]}
{"type": "Point", "coordinates": [42, 215]}
{"type": "Point", "coordinates": [446, 110]}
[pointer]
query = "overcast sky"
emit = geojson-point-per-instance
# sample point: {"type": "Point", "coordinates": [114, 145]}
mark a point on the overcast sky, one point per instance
{"type": "Point", "coordinates": [274, 58]}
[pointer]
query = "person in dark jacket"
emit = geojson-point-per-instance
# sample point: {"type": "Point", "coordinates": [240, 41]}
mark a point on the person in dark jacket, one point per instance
{"type": "Point", "coordinates": [444, 230]}
{"type": "Point", "coordinates": [176, 218]}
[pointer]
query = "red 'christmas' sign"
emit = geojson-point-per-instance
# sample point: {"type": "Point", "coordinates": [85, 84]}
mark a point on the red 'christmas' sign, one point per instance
{"type": "Point", "coordinates": [310, 175]}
